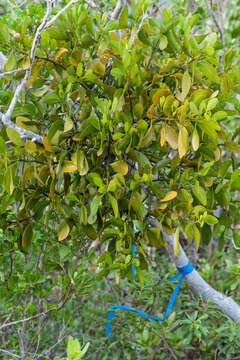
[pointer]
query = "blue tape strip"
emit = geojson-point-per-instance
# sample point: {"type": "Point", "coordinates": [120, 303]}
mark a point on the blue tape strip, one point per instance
{"type": "Point", "coordinates": [133, 265]}
{"type": "Point", "coordinates": [182, 271]}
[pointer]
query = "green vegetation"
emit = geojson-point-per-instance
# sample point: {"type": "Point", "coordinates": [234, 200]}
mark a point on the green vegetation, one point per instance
{"type": "Point", "coordinates": [138, 123]}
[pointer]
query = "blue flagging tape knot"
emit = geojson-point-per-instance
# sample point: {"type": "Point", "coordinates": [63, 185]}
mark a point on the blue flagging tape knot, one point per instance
{"type": "Point", "coordinates": [182, 271]}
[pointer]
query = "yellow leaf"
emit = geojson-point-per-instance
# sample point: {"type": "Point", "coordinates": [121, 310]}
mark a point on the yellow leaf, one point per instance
{"type": "Point", "coordinates": [30, 147]}
{"type": "Point", "coordinates": [120, 167]}
{"type": "Point", "coordinates": [63, 231]}
{"type": "Point", "coordinates": [46, 144]}
{"type": "Point", "coordinates": [158, 94]}
{"type": "Point", "coordinates": [182, 142]}
{"type": "Point", "coordinates": [61, 52]}
{"type": "Point", "coordinates": [25, 123]}
{"type": "Point", "coordinates": [68, 166]}
{"type": "Point", "coordinates": [171, 137]}
{"type": "Point", "coordinates": [170, 195]}
{"type": "Point", "coordinates": [82, 163]}
{"type": "Point", "coordinates": [195, 140]}
{"type": "Point", "coordinates": [43, 175]}
{"type": "Point", "coordinates": [28, 174]}
{"type": "Point", "coordinates": [68, 124]}
{"type": "Point", "coordinates": [25, 62]}
{"type": "Point", "coordinates": [176, 242]}
{"type": "Point", "coordinates": [76, 57]}
{"type": "Point", "coordinates": [37, 65]}
{"type": "Point", "coordinates": [147, 139]}
{"type": "Point", "coordinates": [27, 235]}
{"type": "Point", "coordinates": [151, 111]}
{"type": "Point", "coordinates": [186, 84]}
{"type": "Point", "coordinates": [98, 69]}
{"type": "Point", "coordinates": [52, 189]}
{"type": "Point", "coordinates": [163, 135]}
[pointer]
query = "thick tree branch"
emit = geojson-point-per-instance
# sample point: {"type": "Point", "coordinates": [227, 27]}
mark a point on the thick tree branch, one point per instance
{"type": "Point", "coordinates": [200, 286]}
{"type": "Point", "coordinates": [118, 8]}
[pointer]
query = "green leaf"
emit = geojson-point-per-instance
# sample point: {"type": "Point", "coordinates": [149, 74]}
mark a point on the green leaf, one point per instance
{"type": "Point", "coordinates": [3, 146]}
{"type": "Point", "coordinates": [14, 136]}
{"type": "Point", "coordinates": [123, 18]}
{"type": "Point", "coordinates": [55, 130]}
{"type": "Point", "coordinates": [114, 204]}
{"type": "Point", "coordinates": [163, 42]}
{"type": "Point", "coordinates": [11, 62]}
{"type": "Point", "coordinates": [95, 205]}
{"type": "Point", "coordinates": [84, 350]}
{"type": "Point", "coordinates": [196, 237]}
{"type": "Point", "coordinates": [200, 193]}
{"type": "Point", "coordinates": [232, 146]}
{"type": "Point", "coordinates": [120, 167]}
{"type": "Point", "coordinates": [209, 71]}
{"type": "Point", "coordinates": [210, 219]}
{"type": "Point", "coordinates": [51, 98]}
{"type": "Point", "coordinates": [224, 167]}
{"type": "Point", "coordinates": [219, 115]}
{"type": "Point", "coordinates": [206, 234]}
{"type": "Point", "coordinates": [95, 179]}
{"type": "Point", "coordinates": [8, 180]}
{"type": "Point", "coordinates": [73, 348]}
{"type": "Point", "coordinates": [82, 163]}
{"type": "Point", "coordinates": [83, 215]}
{"type": "Point", "coordinates": [195, 140]}
{"type": "Point", "coordinates": [212, 103]}
{"type": "Point", "coordinates": [4, 33]}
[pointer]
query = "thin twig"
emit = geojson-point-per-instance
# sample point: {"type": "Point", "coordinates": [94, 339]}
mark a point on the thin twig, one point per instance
{"type": "Point", "coordinates": [51, 61]}
{"type": "Point", "coordinates": [12, 72]}
{"type": "Point", "coordinates": [169, 348]}
{"type": "Point", "coordinates": [49, 23]}
{"type": "Point", "coordinates": [210, 9]}
{"type": "Point", "coordinates": [10, 354]}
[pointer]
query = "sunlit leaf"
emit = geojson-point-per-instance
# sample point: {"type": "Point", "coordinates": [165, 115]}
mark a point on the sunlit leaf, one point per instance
{"type": "Point", "coordinates": [182, 141]}
{"type": "Point", "coordinates": [170, 196]}
{"type": "Point", "coordinates": [63, 230]}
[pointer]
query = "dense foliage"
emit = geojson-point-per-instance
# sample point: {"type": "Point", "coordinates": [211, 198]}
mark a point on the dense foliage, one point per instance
{"type": "Point", "coordinates": [138, 118]}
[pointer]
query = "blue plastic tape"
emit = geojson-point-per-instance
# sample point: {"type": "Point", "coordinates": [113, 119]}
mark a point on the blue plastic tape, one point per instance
{"type": "Point", "coordinates": [182, 271]}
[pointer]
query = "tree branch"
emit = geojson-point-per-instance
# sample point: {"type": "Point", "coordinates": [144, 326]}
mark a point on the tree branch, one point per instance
{"type": "Point", "coordinates": [118, 8]}
{"type": "Point", "coordinates": [88, 2]}
{"type": "Point", "coordinates": [10, 354]}
{"type": "Point", "coordinates": [200, 286]}
{"type": "Point", "coordinates": [210, 9]}
{"type": "Point", "coordinates": [6, 118]}
{"type": "Point", "coordinates": [12, 72]}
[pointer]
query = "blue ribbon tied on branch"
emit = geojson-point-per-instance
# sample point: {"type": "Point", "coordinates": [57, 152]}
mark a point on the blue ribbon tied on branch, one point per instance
{"type": "Point", "coordinates": [182, 271]}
